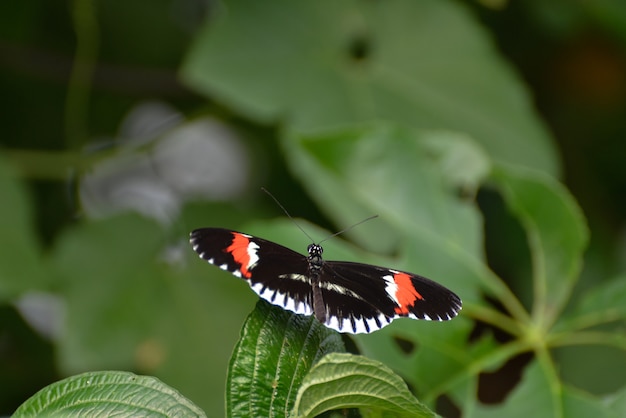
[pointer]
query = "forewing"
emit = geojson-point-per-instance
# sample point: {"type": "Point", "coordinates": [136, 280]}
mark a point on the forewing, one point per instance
{"type": "Point", "coordinates": [276, 273]}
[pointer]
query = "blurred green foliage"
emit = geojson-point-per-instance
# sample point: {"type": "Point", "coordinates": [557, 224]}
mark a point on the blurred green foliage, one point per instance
{"type": "Point", "coordinates": [474, 133]}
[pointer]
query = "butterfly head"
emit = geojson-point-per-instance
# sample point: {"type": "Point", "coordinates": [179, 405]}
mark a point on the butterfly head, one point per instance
{"type": "Point", "coordinates": [315, 251]}
{"type": "Point", "coordinates": [315, 255]}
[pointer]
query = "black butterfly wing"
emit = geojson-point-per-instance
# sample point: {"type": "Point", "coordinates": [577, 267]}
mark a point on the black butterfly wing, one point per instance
{"type": "Point", "coordinates": [356, 298]}
{"type": "Point", "coordinates": [276, 273]}
{"type": "Point", "coordinates": [361, 298]}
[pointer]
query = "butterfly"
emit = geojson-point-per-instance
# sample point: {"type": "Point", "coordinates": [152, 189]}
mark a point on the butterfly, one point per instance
{"type": "Point", "coordinates": [345, 296]}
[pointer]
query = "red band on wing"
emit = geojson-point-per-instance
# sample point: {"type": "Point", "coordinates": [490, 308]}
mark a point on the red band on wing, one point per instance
{"type": "Point", "coordinates": [239, 250]}
{"type": "Point", "coordinates": [406, 293]}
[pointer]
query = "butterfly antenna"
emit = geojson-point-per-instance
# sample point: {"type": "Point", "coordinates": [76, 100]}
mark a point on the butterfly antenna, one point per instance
{"type": "Point", "coordinates": [287, 213]}
{"type": "Point", "coordinates": [349, 228]}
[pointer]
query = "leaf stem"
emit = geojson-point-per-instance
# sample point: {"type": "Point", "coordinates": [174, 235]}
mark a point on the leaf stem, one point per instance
{"type": "Point", "coordinates": [615, 339]}
{"type": "Point", "coordinates": [554, 383]}
{"type": "Point", "coordinates": [592, 319]}
{"type": "Point", "coordinates": [493, 317]}
{"type": "Point", "coordinates": [79, 88]}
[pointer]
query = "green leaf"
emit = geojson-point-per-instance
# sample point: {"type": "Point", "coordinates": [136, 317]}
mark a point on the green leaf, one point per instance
{"type": "Point", "coordinates": [138, 301]}
{"type": "Point", "coordinates": [108, 274]}
{"type": "Point", "coordinates": [361, 61]}
{"type": "Point", "coordinates": [533, 396]}
{"type": "Point", "coordinates": [275, 352]}
{"type": "Point", "coordinates": [20, 264]}
{"type": "Point", "coordinates": [577, 403]}
{"type": "Point", "coordinates": [342, 380]}
{"type": "Point", "coordinates": [464, 164]}
{"type": "Point", "coordinates": [434, 356]}
{"type": "Point", "coordinates": [109, 393]}
{"type": "Point", "coordinates": [591, 360]}
{"type": "Point", "coordinates": [617, 403]}
{"type": "Point", "coordinates": [590, 339]}
{"type": "Point", "coordinates": [605, 302]}
{"type": "Point", "coordinates": [390, 171]}
{"type": "Point", "coordinates": [557, 235]}
{"type": "Point", "coordinates": [541, 394]}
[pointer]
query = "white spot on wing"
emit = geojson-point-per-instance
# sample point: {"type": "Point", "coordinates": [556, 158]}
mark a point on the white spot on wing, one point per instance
{"type": "Point", "coordinates": [361, 325]}
{"type": "Point", "coordinates": [295, 277]}
{"type": "Point", "coordinates": [300, 308]}
{"type": "Point", "coordinates": [371, 322]}
{"type": "Point", "coordinates": [340, 289]}
{"type": "Point", "coordinates": [252, 253]}
{"type": "Point", "coordinates": [282, 300]}
{"type": "Point", "coordinates": [333, 323]}
{"type": "Point", "coordinates": [391, 287]}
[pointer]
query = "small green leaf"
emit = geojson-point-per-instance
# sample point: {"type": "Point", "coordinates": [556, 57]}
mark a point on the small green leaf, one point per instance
{"type": "Point", "coordinates": [557, 235]}
{"type": "Point", "coordinates": [342, 380]}
{"type": "Point", "coordinates": [276, 350]}
{"type": "Point", "coordinates": [109, 393]}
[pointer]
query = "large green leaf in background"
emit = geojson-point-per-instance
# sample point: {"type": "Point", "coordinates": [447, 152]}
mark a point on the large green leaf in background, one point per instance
{"type": "Point", "coordinates": [557, 236]}
{"type": "Point", "coordinates": [107, 274]}
{"type": "Point", "coordinates": [385, 170]}
{"type": "Point", "coordinates": [138, 301]}
{"type": "Point", "coordinates": [312, 65]}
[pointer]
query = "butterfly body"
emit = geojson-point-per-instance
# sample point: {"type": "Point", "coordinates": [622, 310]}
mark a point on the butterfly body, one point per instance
{"type": "Point", "coordinates": [345, 296]}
